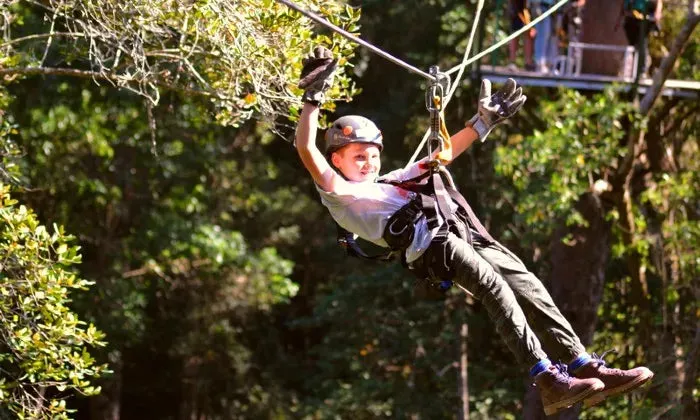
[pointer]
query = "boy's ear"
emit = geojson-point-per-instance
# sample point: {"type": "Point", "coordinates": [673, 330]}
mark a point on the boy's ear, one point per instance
{"type": "Point", "coordinates": [335, 159]}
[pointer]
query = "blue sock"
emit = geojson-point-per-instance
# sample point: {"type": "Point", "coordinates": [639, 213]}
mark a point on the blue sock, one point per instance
{"type": "Point", "coordinates": [581, 360]}
{"type": "Point", "coordinates": [540, 367]}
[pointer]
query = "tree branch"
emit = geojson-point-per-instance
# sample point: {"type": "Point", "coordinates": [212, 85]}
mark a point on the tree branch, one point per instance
{"type": "Point", "coordinates": [668, 62]}
{"type": "Point", "coordinates": [691, 377]}
{"type": "Point", "coordinates": [111, 77]}
{"type": "Point", "coordinates": [42, 36]}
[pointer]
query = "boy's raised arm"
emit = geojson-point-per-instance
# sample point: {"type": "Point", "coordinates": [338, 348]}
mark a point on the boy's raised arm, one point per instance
{"type": "Point", "coordinates": [316, 79]}
{"type": "Point", "coordinates": [313, 159]}
{"type": "Point", "coordinates": [492, 110]}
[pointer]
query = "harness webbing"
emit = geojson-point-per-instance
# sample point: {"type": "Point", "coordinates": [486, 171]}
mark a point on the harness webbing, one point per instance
{"type": "Point", "coordinates": [346, 239]}
{"type": "Point", "coordinates": [435, 199]}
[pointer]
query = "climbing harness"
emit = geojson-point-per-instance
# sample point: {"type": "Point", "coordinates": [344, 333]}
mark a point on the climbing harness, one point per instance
{"type": "Point", "coordinates": [435, 198]}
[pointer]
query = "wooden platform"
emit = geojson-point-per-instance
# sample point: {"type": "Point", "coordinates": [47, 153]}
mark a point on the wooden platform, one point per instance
{"type": "Point", "coordinates": [498, 74]}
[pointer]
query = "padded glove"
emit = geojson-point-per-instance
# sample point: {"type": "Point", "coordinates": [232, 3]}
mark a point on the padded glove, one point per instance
{"type": "Point", "coordinates": [317, 75]}
{"type": "Point", "coordinates": [497, 107]}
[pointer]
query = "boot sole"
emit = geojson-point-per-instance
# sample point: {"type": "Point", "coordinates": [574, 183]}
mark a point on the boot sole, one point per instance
{"type": "Point", "coordinates": [629, 386]}
{"type": "Point", "coordinates": [560, 405]}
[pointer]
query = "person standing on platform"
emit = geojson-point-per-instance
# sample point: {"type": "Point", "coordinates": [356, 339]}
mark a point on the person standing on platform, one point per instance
{"type": "Point", "coordinates": [519, 17]}
{"type": "Point", "coordinates": [640, 18]}
{"type": "Point", "coordinates": [545, 44]}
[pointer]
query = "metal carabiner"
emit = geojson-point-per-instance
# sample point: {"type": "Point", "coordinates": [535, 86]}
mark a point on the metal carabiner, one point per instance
{"type": "Point", "coordinates": [440, 84]}
{"type": "Point", "coordinates": [434, 104]}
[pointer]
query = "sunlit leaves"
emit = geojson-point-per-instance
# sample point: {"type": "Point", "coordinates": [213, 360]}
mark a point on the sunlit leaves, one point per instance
{"type": "Point", "coordinates": [10, 153]}
{"type": "Point", "coordinates": [554, 167]}
{"type": "Point", "coordinates": [243, 56]}
{"type": "Point", "coordinates": [44, 344]}
{"type": "Point", "coordinates": [676, 197]}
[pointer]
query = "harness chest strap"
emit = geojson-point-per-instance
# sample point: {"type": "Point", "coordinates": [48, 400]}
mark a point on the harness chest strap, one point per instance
{"type": "Point", "coordinates": [431, 198]}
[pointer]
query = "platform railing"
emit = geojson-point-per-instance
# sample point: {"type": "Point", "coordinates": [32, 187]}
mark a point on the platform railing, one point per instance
{"type": "Point", "coordinates": [570, 64]}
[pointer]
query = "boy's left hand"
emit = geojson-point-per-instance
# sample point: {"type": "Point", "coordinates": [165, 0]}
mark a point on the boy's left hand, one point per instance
{"type": "Point", "coordinates": [496, 108]}
{"type": "Point", "coordinates": [317, 75]}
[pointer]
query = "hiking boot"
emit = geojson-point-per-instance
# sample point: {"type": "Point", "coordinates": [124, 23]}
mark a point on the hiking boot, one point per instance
{"type": "Point", "coordinates": [617, 381]}
{"type": "Point", "coordinates": [558, 390]}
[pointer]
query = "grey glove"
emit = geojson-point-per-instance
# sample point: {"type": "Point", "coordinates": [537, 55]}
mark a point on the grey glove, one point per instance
{"type": "Point", "coordinates": [494, 109]}
{"type": "Point", "coordinates": [317, 75]}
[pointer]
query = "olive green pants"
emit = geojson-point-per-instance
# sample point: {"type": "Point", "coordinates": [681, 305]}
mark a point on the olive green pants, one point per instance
{"type": "Point", "coordinates": [516, 300]}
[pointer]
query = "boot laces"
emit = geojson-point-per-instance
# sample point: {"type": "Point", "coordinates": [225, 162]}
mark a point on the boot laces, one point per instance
{"type": "Point", "coordinates": [563, 370]}
{"type": "Point", "coordinates": [599, 360]}
{"type": "Point", "coordinates": [562, 373]}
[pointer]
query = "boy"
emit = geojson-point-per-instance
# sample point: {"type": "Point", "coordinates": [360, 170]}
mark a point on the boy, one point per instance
{"type": "Point", "coordinates": [347, 178]}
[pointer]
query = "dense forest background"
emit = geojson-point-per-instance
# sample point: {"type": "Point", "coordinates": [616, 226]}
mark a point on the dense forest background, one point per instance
{"type": "Point", "coordinates": [164, 255]}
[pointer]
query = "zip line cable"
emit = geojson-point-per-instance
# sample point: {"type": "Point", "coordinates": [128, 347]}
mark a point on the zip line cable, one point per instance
{"type": "Point", "coordinates": [355, 39]}
{"type": "Point", "coordinates": [466, 62]}
{"type": "Point", "coordinates": [477, 17]}
{"type": "Point", "coordinates": [453, 88]}
{"type": "Point", "coordinates": [459, 68]}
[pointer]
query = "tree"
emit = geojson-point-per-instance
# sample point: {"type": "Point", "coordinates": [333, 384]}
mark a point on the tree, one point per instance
{"type": "Point", "coordinates": [239, 59]}
{"type": "Point", "coordinates": [243, 56]}
{"type": "Point", "coordinates": [43, 343]}
{"type": "Point", "coordinates": [626, 175]}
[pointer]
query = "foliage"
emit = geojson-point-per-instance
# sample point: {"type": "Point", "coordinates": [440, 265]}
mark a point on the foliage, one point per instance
{"type": "Point", "coordinates": [391, 355]}
{"type": "Point", "coordinates": [243, 56]}
{"type": "Point", "coordinates": [9, 152]}
{"type": "Point", "coordinates": [581, 152]}
{"type": "Point", "coordinates": [675, 196]}
{"type": "Point", "coordinates": [552, 168]}
{"type": "Point", "coordinates": [217, 279]}
{"type": "Point", "coordinates": [44, 343]}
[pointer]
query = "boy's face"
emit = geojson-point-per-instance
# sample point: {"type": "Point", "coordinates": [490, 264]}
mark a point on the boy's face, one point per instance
{"type": "Point", "coordinates": [359, 162]}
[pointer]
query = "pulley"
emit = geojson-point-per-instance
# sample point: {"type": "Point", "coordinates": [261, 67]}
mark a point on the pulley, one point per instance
{"type": "Point", "coordinates": [438, 138]}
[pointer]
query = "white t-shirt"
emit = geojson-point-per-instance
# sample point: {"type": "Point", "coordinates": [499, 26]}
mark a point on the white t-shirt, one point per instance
{"type": "Point", "coordinates": [364, 209]}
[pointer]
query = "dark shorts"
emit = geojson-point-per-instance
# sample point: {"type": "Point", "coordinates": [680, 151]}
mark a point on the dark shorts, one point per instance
{"type": "Point", "coordinates": [516, 23]}
{"type": "Point", "coordinates": [635, 29]}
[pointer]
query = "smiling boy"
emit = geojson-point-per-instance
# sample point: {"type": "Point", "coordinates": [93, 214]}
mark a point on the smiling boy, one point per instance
{"type": "Point", "coordinates": [347, 177]}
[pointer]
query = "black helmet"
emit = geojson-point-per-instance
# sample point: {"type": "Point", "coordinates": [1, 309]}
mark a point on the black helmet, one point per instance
{"type": "Point", "coordinates": [352, 129]}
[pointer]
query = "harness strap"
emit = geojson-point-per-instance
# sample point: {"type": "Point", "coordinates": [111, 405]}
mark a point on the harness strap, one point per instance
{"type": "Point", "coordinates": [443, 199]}
{"type": "Point", "coordinates": [347, 240]}
{"type": "Point", "coordinates": [471, 217]}
{"type": "Point", "coordinates": [433, 198]}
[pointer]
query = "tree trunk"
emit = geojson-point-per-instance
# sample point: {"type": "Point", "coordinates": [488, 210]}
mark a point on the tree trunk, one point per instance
{"type": "Point", "coordinates": [578, 269]}
{"type": "Point", "coordinates": [600, 18]}
{"type": "Point", "coordinates": [463, 365]}
{"type": "Point", "coordinates": [576, 283]}
{"type": "Point", "coordinates": [107, 405]}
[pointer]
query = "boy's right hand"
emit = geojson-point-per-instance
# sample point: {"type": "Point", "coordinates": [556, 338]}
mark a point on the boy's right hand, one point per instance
{"type": "Point", "coordinates": [497, 107]}
{"type": "Point", "coordinates": [317, 75]}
